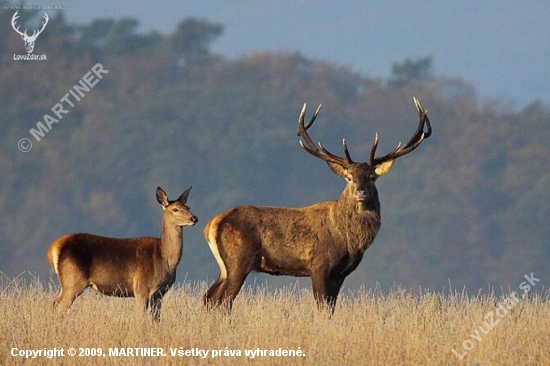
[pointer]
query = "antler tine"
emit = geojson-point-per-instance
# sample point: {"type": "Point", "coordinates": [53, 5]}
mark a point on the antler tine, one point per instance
{"type": "Point", "coordinates": [348, 156]}
{"type": "Point", "coordinates": [423, 114]}
{"type": "Point", "coordinates": [302, 129]}
{"type": "Point", "coordinates": [314, 116]}
{"type": "Point", "coordinates": [308, 145]}
{"type": "Point", "coordinates": [418, 136]}
{"type": "Point", "coordinates": [335, 158]}
{"type": "Point", "coordinates": [373, 148]}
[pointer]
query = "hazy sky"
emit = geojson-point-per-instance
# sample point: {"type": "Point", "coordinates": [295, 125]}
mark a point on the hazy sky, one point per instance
{"type": "Point", "coordinates": [501, 47]}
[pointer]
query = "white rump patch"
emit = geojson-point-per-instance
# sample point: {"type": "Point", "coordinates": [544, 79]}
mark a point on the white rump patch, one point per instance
{"type": "Point", "coordinates": [214, 248]}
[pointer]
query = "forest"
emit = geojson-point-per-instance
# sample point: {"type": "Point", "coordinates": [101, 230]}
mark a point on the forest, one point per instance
{"type": "Point", "coordinates": [468, 209]}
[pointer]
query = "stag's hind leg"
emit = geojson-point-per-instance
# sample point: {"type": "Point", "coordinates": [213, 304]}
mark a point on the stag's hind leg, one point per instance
{"type": "Point", "coordinates": [224, 291]}
{"type": "Point", "coordinates": [73, 283]}
{"type": "Point", "coordinates": [213, 296]}
{"type": "Point", "coordinates": [233, 287]}
{"type": "Point", "coordinates": [243, 260]}
{"type": "Point", "coordinates": [236, 253]}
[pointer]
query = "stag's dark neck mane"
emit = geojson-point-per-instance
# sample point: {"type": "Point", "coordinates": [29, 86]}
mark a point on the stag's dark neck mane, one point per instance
{"type": "Point", "coordinates": [358, 222]}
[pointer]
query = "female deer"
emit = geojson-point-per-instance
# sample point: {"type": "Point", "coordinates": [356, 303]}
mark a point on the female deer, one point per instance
{"type": "Point", "coordinates": [144, 268]}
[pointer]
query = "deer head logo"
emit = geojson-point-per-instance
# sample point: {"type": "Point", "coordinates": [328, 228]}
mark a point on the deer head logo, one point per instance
{"type": "Point", "coordinates": [29, 40]}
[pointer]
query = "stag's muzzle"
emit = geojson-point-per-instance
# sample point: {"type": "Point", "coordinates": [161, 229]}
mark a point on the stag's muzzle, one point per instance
{"type": "Point", "coordinates": [361, 194]}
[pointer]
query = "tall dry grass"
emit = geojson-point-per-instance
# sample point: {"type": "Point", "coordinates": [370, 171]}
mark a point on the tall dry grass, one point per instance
{"type": "Point", "coordinates": [368, 328]}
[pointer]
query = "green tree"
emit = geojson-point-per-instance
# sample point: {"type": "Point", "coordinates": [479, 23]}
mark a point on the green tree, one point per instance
{"type": "Point", "coordinates": [411, 72]}
{"type": "Point", "coordinates": [192, 40]}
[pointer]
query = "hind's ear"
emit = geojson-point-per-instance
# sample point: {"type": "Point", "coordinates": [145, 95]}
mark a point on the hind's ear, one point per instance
{"type": "Point", "coordinates": [184, 195]}
{"type": "Point", "coordinates": [162, 198]}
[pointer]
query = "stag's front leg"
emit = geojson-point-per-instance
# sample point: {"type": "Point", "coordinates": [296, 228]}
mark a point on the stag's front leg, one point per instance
{"type": "Point", "coordinates": [325, 290]}
{"type": "Point", "coordinates": [319, 286]}
{"type": "Point", "coordinates": [333, 289]}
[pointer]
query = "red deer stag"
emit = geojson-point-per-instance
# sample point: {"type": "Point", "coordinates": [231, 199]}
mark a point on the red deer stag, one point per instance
{"type": "Point", "coordinates": [324, 241]}
{"type": "Point", "coordinates": [144, 268]}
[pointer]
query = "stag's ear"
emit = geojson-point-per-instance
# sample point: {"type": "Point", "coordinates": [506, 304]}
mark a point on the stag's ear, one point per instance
{"type": "Point", "coordinates": [184, 195]}
{"type": "Point", "coordinates": [162, 198]}
{"type": "Point", "coordinates": [383, 168]}
{"type": "Point", "coordinates": [337, 169]}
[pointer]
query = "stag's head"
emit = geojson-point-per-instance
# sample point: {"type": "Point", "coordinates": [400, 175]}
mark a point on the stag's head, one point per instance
{"type": "Point", "coordinates": [360, 176]}
{"type": "Point", "coordinates": [29, 40]}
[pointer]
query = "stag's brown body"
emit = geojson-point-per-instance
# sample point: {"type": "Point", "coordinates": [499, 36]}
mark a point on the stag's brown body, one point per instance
{"type": "Point", "coordinates": [285, 241]}
{"type": "Point", "coordinates": [325, 241]}
{"type": "Point", "coordinates": [144, 268]}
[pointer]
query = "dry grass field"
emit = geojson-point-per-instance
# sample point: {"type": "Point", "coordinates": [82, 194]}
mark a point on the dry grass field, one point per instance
{"type": "Point", "coordinates": [368, 328]}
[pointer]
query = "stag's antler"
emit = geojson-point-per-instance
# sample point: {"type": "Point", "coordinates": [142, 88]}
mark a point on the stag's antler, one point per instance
{"type": "Point", "coordinates": [322, 153]}
{"type": "Point", "coordinates": [416, 139]}
{"type": "Point", "coordinates": [310, 147]}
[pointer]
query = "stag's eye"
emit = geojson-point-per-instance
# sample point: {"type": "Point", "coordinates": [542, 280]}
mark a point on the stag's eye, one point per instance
{"type": "Point", "coordinates": [175, 209]}
{"type": "Point", "coordinates": [348, 178]}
